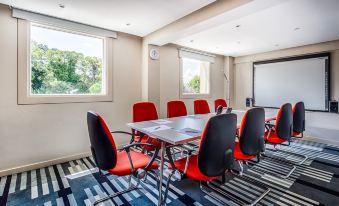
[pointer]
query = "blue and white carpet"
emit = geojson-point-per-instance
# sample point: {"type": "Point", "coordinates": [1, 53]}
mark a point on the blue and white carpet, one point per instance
{"type": "Point", "coordinates": [316, 182]}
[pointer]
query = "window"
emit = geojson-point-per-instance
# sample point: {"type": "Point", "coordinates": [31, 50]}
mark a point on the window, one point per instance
{"type": "Point", "coordinates": [195, 76]}
{"type": "Point", "coordinates": [62, 65]}
{"type": "Point", "coordinates": [65, 63]}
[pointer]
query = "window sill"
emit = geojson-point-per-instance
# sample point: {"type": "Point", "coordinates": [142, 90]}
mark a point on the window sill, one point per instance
{"type": "Point", "coordinates": [195, 96]}
{"type": "Point", "coordinates": [62, 99]}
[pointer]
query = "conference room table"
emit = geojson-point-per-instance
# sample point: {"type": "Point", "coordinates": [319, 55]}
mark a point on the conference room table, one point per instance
{"type": "Point", "coordinates": [179, 130]}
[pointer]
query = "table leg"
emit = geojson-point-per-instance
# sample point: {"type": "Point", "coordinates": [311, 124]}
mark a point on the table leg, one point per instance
{"type": "Point", "coordinates": [162, 159]}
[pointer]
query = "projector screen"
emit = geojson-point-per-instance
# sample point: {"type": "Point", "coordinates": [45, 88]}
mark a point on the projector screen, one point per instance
{"type": "Point", "coordinates": [291, 80]}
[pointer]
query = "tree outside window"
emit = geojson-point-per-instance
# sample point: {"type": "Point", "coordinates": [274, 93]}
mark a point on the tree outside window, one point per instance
{"type": "Point", "coordinates": [65, 63]}
{"type": "Point", "coordinates": [195, 76]}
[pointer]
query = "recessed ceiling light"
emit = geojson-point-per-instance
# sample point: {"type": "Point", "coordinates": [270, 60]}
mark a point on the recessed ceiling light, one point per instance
{"type": "Point", "coordinates": [191, 40]}
{"type": "Point", "coordinates": [237, 26]}
{"type": "Point", "coordinates": [276, 45]}
{"type": "Point", "coordinates": [217, 47]}
{"type": "Point", "coordinates": [296, 29]}
{"type": "Point", "coordinates": [62, 6]}
{"type": "Point", "coordinates": [238, 42]}
{"type": "Point", "coordinates": [128, 24]}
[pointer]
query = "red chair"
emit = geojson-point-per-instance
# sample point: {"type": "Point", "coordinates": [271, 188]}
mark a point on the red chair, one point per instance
{"type": "Point", "coordinates": [176, 109]}
{"type": "Point", "coordinates": [219, 102]}
{"type": "Point", "coordinates": [298, 119]}
{"type": "Point", "coordinates": [144, 111]}
{"type": "Point", "coordinates": [201, 107]}
{"type": "Point", "coordinates": [108, 158]}
{"type": "Point", "coordinates": [251, 136]}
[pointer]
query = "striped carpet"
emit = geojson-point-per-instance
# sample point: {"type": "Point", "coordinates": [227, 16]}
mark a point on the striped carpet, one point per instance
{"type": "Point", "coordinates": [315, 182]}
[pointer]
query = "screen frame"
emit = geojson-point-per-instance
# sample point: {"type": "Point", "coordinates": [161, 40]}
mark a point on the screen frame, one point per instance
{"type": "Point", "coordinates": [293, 58]}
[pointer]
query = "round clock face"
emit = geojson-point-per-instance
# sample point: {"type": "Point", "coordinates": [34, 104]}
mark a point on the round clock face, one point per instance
{"type": "Point", "coordinates": [154, 54]}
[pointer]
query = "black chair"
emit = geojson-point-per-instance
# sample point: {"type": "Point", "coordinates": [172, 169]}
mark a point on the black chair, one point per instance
{"type": "Point", "coordinates": [215, 156]}
{"type": "Point", "coordinates": [108, 158]}
{"type": "Point", "coordinates": [299, 120]}
{"type": "Point", "coordinates": [281, 132]}
{"type": "Point", "coordinates": [219, 109]}
{"type": "Point", "coordinates": [251, 137]}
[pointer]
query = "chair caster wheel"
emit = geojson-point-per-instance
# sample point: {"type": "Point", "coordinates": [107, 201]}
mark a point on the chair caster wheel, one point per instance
{"type": "Point", "coordinates": [141, 173]}
{"type": "Point", "coordinates": [178, 175]}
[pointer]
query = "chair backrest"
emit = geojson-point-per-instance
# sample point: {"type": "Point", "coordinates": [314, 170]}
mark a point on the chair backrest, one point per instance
{"type": "Point", "coordinates": [144, 111]}
{"type": "Point", "coordinates": [219, 110]}
{"type": "Point", "coordinates": [217, 145]}
{"type": "Point", "coordinates": [176, 109]}
{"type": "Point", "coordinates": [299, 117]}
{"type": "Point", "coordinates": [219, 102]}
{"type": "Point", "coordinates": [201, 107]}
{"type": "Point", "coordinates": [284, 122]}
{"type": "Point", "coordinates": [252, 131]}
{"type": "Point", "coordinates": [102, 143]}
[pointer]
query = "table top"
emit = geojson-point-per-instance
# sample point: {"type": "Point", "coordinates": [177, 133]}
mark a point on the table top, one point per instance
{"type": "Point", "coordinates": [183, 129]}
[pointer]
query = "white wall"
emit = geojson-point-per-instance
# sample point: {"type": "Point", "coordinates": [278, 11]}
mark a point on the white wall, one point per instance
{"type": "Point", "coordinates": [169, 79]}
{"type": "Point", "coordinates": [36, 133]}
{"type": "Point", "coordinates": [243, 84]}
{"type": "Point", "coordinates": [243, 68]}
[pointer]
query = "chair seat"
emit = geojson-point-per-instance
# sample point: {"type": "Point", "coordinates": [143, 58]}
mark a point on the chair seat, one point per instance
{"type": "Point", "coordinates": [273, 138]}
{"type": "Point", "coordinates": [296, 134]}
{"type": "Point", "coordinates": [239, 155]}
{"type": "Point", "coordinates": [123, 166]}
{"type": "Point", "coordinates": [150, 140]}
{"type": "Point", "coordinates": [193, 171]}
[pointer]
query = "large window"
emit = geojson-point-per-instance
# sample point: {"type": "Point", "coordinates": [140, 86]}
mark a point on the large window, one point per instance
{"type": "Point", "coordinates": [195, 73]}
{"type": "Point", "coordinates": [196, 76]}
{"type": "Point", "coordinates": [59, 65]}
{"type": "Point", "coordinates": [67, 63]}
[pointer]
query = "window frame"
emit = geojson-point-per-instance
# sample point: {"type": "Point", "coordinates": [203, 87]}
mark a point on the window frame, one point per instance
{"type": "Point", "coordinates": [181, 83]}
{"type": "Point", "coordinates": [24, 70]}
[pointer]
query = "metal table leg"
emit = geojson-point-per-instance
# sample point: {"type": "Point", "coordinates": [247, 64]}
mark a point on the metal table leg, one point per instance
{"type": "Point", "coordinates": [162, 159]}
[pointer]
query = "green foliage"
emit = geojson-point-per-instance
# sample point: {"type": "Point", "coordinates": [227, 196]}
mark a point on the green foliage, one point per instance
{"type": "Point", "coordinates": [194, 84]}
{"type": "Point", "coordinates": [95, 88]}
{"type": "Point", "coordinates": [64, 72]}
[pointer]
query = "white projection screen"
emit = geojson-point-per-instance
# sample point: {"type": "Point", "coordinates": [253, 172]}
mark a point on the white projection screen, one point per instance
{"type": "Point", "coordinates": [291, 80]}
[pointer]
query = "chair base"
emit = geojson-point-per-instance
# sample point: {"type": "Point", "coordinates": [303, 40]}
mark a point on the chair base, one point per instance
{"type": "Point", "coordinates": [115, 195]}
{"type": "Point", "coordinates": [289, 173]}
{"type": "Point", "coordinates": [130, 186]}
{"type": "Point", "coordinates": [287, 161]}
{"type": "Point", "coordinates": [305, 157]}
{"type": "Point", "coordinates": [206, 186]}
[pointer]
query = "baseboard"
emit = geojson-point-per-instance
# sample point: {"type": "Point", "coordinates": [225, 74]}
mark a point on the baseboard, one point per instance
{"type": "Point", "coordinates": [43, 164]}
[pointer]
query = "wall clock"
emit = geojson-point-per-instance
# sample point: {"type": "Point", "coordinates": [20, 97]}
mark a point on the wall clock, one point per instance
{"type": "Point", "coordinates": [154, 54]}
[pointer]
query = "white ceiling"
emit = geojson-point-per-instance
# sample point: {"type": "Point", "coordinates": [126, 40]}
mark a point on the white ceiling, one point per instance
{"type": "Point", "coordinates": [269, 29]}
{"type": "Point", "coordinates": [144, 16]}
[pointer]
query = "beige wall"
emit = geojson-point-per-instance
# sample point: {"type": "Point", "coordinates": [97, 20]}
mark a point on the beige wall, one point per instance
{"type": "Point", "coordinates": [153, 78]}
{"type": "Point", "coordinates": [243, 68]}
{"type": "Point", "coordinates": [229, 80]}
{"type": "Point", "coordinates": [169, 79]}
{"type": "Point", "coordinates": [35, 133]}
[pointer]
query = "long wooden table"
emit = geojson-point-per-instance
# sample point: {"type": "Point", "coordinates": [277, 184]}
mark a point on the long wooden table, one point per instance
{"type": "Point", "coordinates": [179, 130]}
